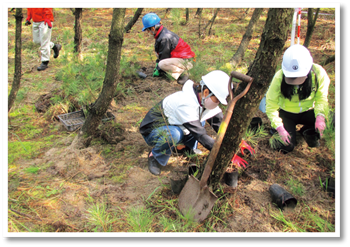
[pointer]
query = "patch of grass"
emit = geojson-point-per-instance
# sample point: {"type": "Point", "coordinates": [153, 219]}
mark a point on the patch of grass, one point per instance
{"type": "Point", "coordinates": [32, 169]}
{"type": "Point", "coordinates": [140, 219]}
{"type": "Point", "coordinates": [288, 225]}
{"type": "Point", "coordinates": [296, 187]}
{"type": "Point", "coordinates": [99, 218]}
{"type": "Point", "coordinates": [306, 221]}
{"type": "Point", "coordinates": [25, 150]}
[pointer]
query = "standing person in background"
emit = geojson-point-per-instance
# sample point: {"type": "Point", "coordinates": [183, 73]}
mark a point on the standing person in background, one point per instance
{"type": "Point", "coordinates": [174, 53]}
{"type": "Point", "coordinates": [42, 28]}
{"type": "Point", "coordinates": [298, 94]}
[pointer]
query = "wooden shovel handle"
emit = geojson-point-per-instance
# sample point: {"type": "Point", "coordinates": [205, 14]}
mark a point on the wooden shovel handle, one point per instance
{"type": "Point", "coordinates": [223, 127]}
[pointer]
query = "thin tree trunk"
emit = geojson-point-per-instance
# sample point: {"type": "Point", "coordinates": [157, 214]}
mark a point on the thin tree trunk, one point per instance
{"type": "Point", "coordinates": [100, 106]}
{"type": "Point", "coordinates": [133, 20]}
{"type": "Point", "coordinates": [311, 22]}
{"type": "Point", "coordinates": [238, 56]}
{"type": "Point", "coordinates": [262, 71]}
{"type": "Point", "coordinates": [78, 37]}
{"type": "Point", "coordinates": [199, 24]}
{"type": "Point", "coordinates": [328, 60]}
{"type": "Point", "coordinates": [211, 21]}
{"type": "Point", "coordinates": [18, 63]}
{"type": "Point", "coordinates": [187, 15]}
{"type": "Point", "coordinates": [198, 12]}
{"type": "Point", "coordinates": [166, 12]}
{"type": "Point", "coordinates": [214, 17]}
{"type": "Point", "coordinates": [245, 14]}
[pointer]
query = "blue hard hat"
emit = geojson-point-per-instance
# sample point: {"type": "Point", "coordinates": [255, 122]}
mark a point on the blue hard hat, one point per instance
{"type": "Point", "coordinates": [150, 20]}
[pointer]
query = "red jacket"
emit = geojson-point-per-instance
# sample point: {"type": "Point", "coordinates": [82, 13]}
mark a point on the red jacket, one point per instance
{"type": "Point", "coordinates": [40, 14]}
{"type": "Point", "coordinates": [169, 45]}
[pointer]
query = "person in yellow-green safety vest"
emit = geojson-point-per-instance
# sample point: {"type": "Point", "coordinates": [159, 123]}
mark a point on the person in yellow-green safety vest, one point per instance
{"type": "Point", "coordinates": [297, 95]}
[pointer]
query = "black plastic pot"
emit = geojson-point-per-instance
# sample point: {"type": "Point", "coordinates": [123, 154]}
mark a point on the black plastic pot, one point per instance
{"type": "Point", "coordinates": [312, 138]}
{"type": "Point", "coordinates": [281, 197]}
{"type": "Point", "coordinates": [329, 186]}
{"type": "Point", "coordinates": [255, 124]}
{"type": "Point", "coordinates": [231, 178]}
{"type": "Point", "coordinates": [178, 184]}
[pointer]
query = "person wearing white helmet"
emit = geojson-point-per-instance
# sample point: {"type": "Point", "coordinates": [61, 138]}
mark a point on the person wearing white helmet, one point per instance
{"type": "Point", "coordinates": [174, 54]}
{"type": "Point", "coordinates": [297, 95]}
{"type": "Point", "coordinates": [177, 118]}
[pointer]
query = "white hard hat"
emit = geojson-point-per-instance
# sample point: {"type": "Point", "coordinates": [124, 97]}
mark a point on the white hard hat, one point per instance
{"type": "Point", "coordinates": [297, 63]}
{"type": "Point", "coordinates": [217, 82]}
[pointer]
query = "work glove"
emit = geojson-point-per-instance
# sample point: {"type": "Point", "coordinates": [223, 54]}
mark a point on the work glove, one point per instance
{"type": "Point", "coordinates": [28, 21]}
{"type": "Point", "coordinates": [48, 23]}
{"type": "Point", "coordinates": [320, 124]}
{"type": "Point", "coordinates": [156, 71]}
{"type": "Point", "coordinates": [285, 137]}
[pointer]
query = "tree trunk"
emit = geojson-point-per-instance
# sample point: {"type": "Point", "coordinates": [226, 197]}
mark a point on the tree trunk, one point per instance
{"type": "Point", "coordinates": [166, 12]}
{"type": "Point", "coordinates": [238, 56]}
{"type": "Point", "coordinates": [199, 22]}
{"type": "Point", "coordinates": [328, 60]}
{"type": "Point", "coordinates": [198, 12]}
{"type": "Point", "coordinates": [311, 22]}
{"type": "Point", "coordinates": [18, 63]}
{"type": "Point", "coordinates": [187, 15]}
{"type": "Point", "coordinates": [245, 14]}
{"type": "Point", "coordinates": [100, 106]}
{"type": "Point", "coordinates": [78, 37]}
{"type": "Point", "coordinates": [211, 22]}
{"type": "Point", "coordinates": [262, 71]}
{"type": "Point", "coordinates": [214, 17]}
{"type": "Point", "coordinates": [133, 20]}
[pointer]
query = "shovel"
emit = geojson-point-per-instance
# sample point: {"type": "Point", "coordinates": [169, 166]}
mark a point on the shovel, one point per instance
{"type": "Point", "coordinates": [195, 198]}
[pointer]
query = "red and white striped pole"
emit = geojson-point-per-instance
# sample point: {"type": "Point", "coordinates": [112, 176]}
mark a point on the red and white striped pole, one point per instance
{"type": "Point", "coordinates": [299, 17]}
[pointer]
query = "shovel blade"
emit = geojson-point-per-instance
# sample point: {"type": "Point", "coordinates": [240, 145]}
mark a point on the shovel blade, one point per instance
{"type": "Point", "coordinates": [195, 200]}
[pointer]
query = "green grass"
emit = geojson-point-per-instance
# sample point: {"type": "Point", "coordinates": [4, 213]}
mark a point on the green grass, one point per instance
{"type": "Point", "coordinates": [305, 221]}
{"type": "Point", "coordinates": [24, 150]}
{"type": "Point", "coordinates": [32, 169]}
{"type": "Point", "coordinates": [296, 187]}
{"type": "Point", "coordinates": [99, 218]}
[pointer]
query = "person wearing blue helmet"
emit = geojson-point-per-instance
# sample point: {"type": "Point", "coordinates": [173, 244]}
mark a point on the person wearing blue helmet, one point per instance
{"type": "Point", "coordinates": [174, 54]}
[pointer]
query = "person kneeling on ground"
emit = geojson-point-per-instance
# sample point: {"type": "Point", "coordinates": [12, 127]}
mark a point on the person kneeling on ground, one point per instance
{"type": "Point", "coordinates": [174, 54]}
{"type": "Point", "coordinates": [177, 118]}
{"type": "Point", "coordinates": [297, 95]}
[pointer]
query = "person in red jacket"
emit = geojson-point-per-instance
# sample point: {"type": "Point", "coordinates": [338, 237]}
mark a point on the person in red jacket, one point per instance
{"type": "Point", "coordinates": [42, 27]}
{"type": "Point", "coordinates": [174, 54]}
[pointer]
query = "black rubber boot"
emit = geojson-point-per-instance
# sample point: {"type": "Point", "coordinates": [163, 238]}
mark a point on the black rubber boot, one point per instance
{"type": "Point", "coordinates": [43, 65]}
{"type": "Point", "coordinates": [56, 49]}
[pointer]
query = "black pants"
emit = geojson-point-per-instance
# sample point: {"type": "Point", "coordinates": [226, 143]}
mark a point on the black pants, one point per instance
{"type": "Point", "coordinates": [290, 121]}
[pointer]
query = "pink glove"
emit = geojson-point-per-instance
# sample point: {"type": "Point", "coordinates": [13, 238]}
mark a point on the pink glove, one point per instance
{"type": "Point", "coordinates": [48, 23]}
{"type": "Point", "coordinates": [285, 137]}
{"type": "Point", "coordinates": [320, 124]}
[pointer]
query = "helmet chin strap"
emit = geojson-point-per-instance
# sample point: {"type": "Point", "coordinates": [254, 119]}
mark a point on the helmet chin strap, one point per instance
{"type": "Point", "coordinates": [204, 98]}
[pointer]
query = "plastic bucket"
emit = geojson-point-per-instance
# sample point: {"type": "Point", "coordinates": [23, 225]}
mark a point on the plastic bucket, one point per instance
{"type": "Point", "coordinates": [312, 137]}
{"type": "Point", "coordinates": [281, 197]}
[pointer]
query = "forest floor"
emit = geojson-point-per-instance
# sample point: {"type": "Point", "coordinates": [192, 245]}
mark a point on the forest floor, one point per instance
{"type": "Point", "coordinates": [53, 187]}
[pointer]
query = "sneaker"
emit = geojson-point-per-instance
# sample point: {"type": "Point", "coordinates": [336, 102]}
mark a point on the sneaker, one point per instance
{"type": "Point", "coordinates": [153, 166]}
{"type": "Point", "coordinates": [43, 66]}
{"type": "Point", "coordinates": [56, 49]}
